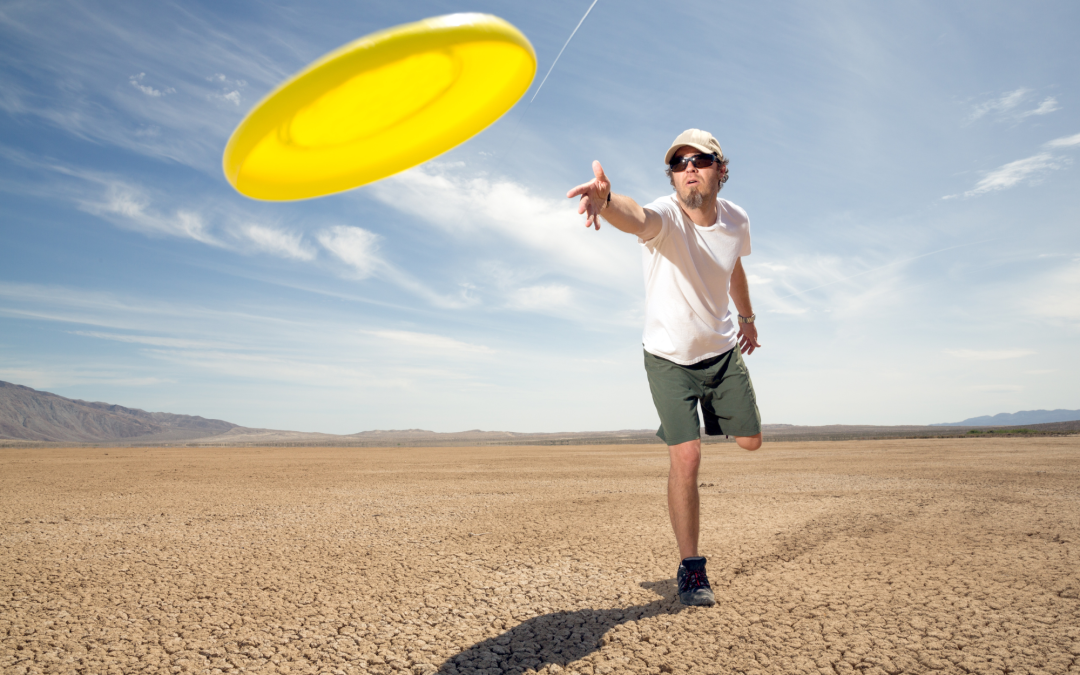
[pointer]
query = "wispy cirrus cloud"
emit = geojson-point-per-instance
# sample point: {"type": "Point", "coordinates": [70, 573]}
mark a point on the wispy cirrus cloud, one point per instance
{"type": "Point", "coordinates": [359, 250]}
{"type": "Point", "coordinates": [542, 298]}
{"type": "Point", "coordinates": [480, 205]}
{"type": "Point", "coordinates": [128, 206]}
{"type": "Point", "coordinates": [1004, 103]}
{"type": "Point", "coordinates": [1064, 142]}
{"type": "Point", "coordinates": [1008, 106]}
{"type": "Point", "coordinates": [1047, 106]}
{"type": "Point", "coordinates": [137, 82]}
{"type": "Point", "coordinates": [154, 340]}
{"type": "Point", "coordinates": [230, 89]}
{"type": "Point", "coordinates": [430, 343]}
{"type": "Point", "coordinates": [1029, 170]}
{"type": "Point", "coordinates": [356, 247]}
{"type": "Point", "coordinates": [181, 104]}
{"type": "Point", "coordinates": [282, 243]}
{"type": "Point", "coordinates": [275, 344]}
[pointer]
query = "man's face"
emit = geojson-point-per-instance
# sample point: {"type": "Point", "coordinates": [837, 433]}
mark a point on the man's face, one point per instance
{"type": "Point", "coordinates": [695, 186]}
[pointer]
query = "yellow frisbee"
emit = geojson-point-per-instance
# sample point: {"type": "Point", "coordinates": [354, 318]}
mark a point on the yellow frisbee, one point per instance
{"type": "Point", "coordinates": [379, 105]}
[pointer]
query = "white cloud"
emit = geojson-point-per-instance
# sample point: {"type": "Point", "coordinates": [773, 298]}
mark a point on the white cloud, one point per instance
{"type": "Point", "coordinates": [137, 82]}
{"type": "Point", "coordinates": [1004, 103]}
{"type": "Point", "coordinates": [67, 49]}
{"type": "Point", "coordinates": [546, 226]}
{"type": "Point", "coordinates": [1028, 169]}
{"type": "Point", "coordinates": [356, 247]}
{"type": "Point", "coordinates": [179, 343]}
{"type": "Point", "coordinates": [542, 298]}
{"type": "Point", "coordinates": [1005, 106]}
{"type": "Point", "coordinates": [277, 242]}
{"type": "Point", "coordinates": [1048, 106]}
{"type": "Point", "coordinates": [1064, 142]}
{"type": "Point", "coordinates": [359, 249]}
{"type": "Point", "coordinates": [427, 342]}
{"type": "Point", "coordinates": [988, 354]}
{"type": "Point", "coordinates": [47, 377]}
{"type": "Point", "coordinates": [128, 206]}
{"type": "Point", "coordinates": [228, 96]}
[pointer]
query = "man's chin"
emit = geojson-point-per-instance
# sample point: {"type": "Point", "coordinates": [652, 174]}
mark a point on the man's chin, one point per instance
{"type": "Point", "coordinates": [693, 199]}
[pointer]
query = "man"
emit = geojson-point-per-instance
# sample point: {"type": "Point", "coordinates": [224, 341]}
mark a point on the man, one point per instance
{"type": "Point", "coordinates": [692, 243]}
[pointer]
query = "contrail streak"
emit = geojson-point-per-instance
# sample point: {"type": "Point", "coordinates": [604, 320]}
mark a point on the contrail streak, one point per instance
{"type": "Point", "coordinates": [563, 50]}
{"type": "Point", "coordinates": [895, 262]}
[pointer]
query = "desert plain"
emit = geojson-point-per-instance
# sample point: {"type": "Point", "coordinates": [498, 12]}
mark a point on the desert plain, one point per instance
{"type": "Point", "coordinates": [870, 557]}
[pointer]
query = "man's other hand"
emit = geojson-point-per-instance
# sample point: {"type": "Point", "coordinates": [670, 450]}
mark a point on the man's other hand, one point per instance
{"type": "Point", "coordinates": [594, 195]}
{"type": "Point", "coordinates": [748, 338]}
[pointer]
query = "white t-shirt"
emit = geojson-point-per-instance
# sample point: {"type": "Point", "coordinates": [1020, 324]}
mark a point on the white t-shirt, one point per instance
{"type": "Point", "coordinates": [687, 278]}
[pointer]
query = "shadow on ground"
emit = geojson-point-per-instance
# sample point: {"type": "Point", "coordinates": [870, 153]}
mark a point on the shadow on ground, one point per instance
{"type": "Point", "coordinates": [560, 637]}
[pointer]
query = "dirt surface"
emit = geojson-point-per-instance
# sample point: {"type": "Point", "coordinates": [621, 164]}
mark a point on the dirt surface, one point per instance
{"type": "Point", "coordinates": [954, 556]}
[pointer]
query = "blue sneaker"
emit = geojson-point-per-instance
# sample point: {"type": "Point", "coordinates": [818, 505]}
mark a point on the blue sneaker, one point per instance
{"type": "Point", "coordinates": [694, 586]}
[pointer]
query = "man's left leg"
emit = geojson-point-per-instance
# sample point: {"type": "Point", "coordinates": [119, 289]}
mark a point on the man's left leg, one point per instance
{"type": "Point", "coordinates": [749, 442]}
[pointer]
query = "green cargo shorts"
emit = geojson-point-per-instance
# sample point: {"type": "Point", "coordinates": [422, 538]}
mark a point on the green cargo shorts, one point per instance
{"type": "Point", "coordinates": [721, 383]}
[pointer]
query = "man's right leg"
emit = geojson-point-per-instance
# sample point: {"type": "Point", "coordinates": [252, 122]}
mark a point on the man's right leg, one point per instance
{"type": "Point", "coordinates": [682, 494]}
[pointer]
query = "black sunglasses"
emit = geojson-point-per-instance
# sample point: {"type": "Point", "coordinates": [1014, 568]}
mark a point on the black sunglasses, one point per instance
{"type": "Point", "coordinates": [699, 162]}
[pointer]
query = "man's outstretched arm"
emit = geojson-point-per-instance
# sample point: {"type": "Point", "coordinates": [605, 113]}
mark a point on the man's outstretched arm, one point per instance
{"type": "Point", "coordinates": [621, 211]}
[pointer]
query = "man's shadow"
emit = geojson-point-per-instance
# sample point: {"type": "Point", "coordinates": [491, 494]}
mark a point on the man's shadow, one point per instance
{"type": "Point", "coordinates": [560, 637]}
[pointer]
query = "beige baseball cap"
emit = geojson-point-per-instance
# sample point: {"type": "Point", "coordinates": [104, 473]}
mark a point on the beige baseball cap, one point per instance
{"type": "Point", "coordinates": [695, 138]}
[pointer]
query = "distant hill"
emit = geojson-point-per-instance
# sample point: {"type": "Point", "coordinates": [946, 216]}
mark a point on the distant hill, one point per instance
{"type": "Point", "coordinates": [1013, 419]}
{"type": "Point", "coordinates": [28, 414]}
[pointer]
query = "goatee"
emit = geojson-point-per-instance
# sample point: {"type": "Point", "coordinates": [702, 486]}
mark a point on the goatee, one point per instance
{"type": "Point", "coordinates": [693, 200]}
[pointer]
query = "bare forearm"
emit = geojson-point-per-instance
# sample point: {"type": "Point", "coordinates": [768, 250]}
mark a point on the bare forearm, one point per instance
{"type": "Point", "coordinates": [628, 216]}
{"type": "Point", "coordinates": [740, 290]}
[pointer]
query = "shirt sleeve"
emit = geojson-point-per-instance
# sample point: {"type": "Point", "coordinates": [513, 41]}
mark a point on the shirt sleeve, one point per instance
{"type": "Point", "coordinates": [745, 250]}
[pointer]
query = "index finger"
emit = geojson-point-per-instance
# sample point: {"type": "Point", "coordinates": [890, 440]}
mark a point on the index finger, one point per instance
{"type": "Point", "coordinates": [580, 190]}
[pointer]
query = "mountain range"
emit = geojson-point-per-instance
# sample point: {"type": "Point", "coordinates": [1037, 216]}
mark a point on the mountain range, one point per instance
{"type": "Point", "coordinates": [38, 416]}
{"type": "Point", "coordinates": [1016, 418]}
{"type": "Point", "coordinates": [29, 414]}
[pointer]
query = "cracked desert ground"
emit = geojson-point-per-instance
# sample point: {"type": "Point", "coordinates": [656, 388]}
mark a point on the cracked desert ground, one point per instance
{"type": "Point", "coordinates": [952, 556]}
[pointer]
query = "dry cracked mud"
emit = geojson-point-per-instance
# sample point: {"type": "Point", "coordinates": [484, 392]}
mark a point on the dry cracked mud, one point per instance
{"type": "Point", "coordinates": [950, 556]}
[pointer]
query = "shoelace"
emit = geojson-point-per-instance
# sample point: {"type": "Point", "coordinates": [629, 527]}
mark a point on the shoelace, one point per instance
{"type": "Point", "coordinates": [694, 580]}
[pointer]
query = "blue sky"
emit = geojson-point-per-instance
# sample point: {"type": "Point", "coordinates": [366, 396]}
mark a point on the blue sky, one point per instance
{"type": "Point", "coordinates": [910, 171]}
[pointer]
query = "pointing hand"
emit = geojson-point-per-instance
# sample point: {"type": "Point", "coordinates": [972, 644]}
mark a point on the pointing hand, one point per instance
{"type": "Point", "coordinates": [594, 196]}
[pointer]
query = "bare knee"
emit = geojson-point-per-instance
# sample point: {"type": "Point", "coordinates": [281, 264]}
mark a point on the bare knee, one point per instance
{"type": "Point", "coordinates": [685, 457]}
{"type": "Point", "coordinates": [749, 442]}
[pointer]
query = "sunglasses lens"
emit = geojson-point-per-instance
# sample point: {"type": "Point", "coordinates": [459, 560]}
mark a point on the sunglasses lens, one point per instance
{"type": "Point", "coordinates": [700, 162]}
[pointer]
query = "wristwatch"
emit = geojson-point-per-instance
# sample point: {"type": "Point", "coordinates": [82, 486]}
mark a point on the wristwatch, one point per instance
{"type": "Point", "coordinates": [746, 319]}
